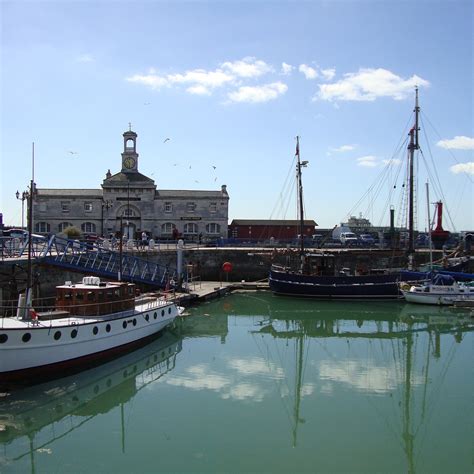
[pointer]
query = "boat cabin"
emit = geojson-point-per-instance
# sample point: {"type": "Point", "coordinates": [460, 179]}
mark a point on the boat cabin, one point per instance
{"type": "Point", "coordinates": [93, 297]}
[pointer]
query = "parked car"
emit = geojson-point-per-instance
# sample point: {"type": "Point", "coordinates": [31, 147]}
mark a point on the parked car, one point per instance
{"type": "Point", "coordinates": [367, 240]}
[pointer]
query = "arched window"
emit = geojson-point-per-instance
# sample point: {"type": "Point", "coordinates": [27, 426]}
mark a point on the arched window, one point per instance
{"type": "Point", "coordinates": [42, 227]}
{"type": "Point", "coordinates": [213, 228]}
{"type": "Point", "coordinates": [64, 225]}
{"type": "Point", "coordinates": [167, 228]}
{"type": "Point", "coordinates": [190, 229]}
{"type": "Point", "coordinates": [88, 227]}
{"type": "Point", "coordinates": [129, 213]}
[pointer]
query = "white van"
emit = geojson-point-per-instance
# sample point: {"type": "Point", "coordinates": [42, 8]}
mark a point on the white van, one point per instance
{"type": "Point", "coordinates": [348, 239]}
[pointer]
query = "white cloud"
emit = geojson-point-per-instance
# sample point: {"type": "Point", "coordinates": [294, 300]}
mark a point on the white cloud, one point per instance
{"type": "Point", "coordinates": [202, 77]}
{"type": "Point", "coordinates": [308, 71]}
{"type": "Point", "coordinates": [256, 94]}
{"type": "Point", "coordinates": [150, 80]}
{"type": "Point", "coordinates": [467, 168]}
{"type": "Point", "coordinates": [457, 143]}
{"type": "Point", "coordinates": [343, 148]}
{"type": "Point", "coordinates": [247, 67]}
{"type": "Point", "coordinates": [368, 85]}
{"type": "Point", "coordinates": [286, 69]}
{"type": "Point", "coordinates": [392, 162]}
{"type": "Point", "coordinates": [368, 161]}
{"type": "Point", "coordinates": [85, 58]}
{"type": "Point", "coordinates": [328, 74]}
{"type": "Point", "coordinates": [198, 89]}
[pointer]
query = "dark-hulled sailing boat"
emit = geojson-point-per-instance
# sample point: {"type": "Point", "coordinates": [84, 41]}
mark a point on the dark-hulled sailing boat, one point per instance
{"type": "Point", "coordinates": [316, 276]}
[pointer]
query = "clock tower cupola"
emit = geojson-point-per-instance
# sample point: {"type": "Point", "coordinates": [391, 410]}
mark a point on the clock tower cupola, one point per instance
{"type": "Point", "coordinates": [129, 155]}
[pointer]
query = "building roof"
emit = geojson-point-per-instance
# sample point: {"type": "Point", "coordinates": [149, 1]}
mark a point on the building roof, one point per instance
{"type": "Point", "coordinates": [124, 178]}
{"type": "Point", "coordinates": [95, 193]}
{"type": "Point", "coordinates": [269, 222]}
{"type": "Point", "coordinates": [191, 194]}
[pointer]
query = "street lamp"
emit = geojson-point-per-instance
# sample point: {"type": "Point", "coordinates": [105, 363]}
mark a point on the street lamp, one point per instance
{"type": "Point", "coordinates": [106, 204]}
{"type": "Point", "coordinates": [23, 197]}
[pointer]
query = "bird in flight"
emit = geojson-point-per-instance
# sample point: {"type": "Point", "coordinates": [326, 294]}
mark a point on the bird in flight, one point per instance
{"type": "Point", "coordinates": [147, 103]}
{"type": "Point", "coordinates": [73, 152]}
{"type": "Point", "coordinates": [213, 166]}
{"type": "Point", "coordinates": [166, 139]}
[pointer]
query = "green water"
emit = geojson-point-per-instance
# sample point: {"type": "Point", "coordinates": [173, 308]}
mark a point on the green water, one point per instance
{"type": "Point", "coordinates": [257, 383]}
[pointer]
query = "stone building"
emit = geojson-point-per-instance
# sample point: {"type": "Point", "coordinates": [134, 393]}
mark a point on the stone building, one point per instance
{"type": "Point", "coordinates": [131, 199]}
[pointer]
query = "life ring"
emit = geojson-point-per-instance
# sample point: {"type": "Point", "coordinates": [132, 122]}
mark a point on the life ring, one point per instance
{"type": "Point", "coordinates": [227, 267]}
{"type": "Point", "coordinates": [405, 286]}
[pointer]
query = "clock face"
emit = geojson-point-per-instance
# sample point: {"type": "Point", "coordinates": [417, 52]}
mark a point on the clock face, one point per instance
{"type": "Point", "coordinates": [129, 163]}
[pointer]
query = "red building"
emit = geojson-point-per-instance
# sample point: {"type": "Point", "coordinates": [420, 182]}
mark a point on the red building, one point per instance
{"type": "Point", "coordinates": [263, 229]}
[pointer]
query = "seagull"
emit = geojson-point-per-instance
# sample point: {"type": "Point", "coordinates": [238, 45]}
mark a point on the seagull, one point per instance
{"type": "Point", "coordinates": [215, 179]}
{"type": "Point", "coordinates": [196, 181]}
{"type": "Point", "coordinates": [73, 152]}
{"type": "Point", "coordinates": [189, 166]}
{"type": "Point", "coordinates": [166, 139]}
{"type": "Point", "coordinates": [213, 166]}
{"type": "Point", "coordinates": [147, 103]}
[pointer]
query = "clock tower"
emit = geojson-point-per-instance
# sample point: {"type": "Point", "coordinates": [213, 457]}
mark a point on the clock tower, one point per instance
{"type": "Point", "coordinates": [129, 155]}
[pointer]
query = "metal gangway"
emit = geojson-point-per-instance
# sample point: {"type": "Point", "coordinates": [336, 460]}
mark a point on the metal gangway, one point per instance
{"type": "Point", "coordinates": [97, 259]}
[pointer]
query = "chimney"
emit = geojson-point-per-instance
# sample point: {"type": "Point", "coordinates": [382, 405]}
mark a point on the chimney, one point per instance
{"type": "Point", "coordinates": [224, 189]}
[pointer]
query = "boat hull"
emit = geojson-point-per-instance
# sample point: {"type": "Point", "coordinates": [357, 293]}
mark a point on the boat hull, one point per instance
{"type": "Point", "coordinates": [343, 287]}
{"type": "Point", "coordinates": [35, 348]}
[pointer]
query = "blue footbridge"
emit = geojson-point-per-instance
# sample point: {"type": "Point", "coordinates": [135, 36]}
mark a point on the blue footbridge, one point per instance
{"type": "Point", "coordinates": [93, 258]}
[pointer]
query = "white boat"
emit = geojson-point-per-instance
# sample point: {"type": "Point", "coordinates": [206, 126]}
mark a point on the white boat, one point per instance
{"type": "Point", "coordinates": [91, 322]}
{"type": "Point", "coordinates": [442, 290]}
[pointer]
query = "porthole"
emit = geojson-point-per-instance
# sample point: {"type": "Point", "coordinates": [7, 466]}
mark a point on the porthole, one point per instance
{"type": "Point", "coordinates": [124, 324]}
{"type": "Point", "coordinates": [134, 322]}
{"type": "Point", "coordinates": [147, 317]}
{"type": "Point", "coordinates": [3, 338]}
{"type": "Point", "coordinates": [109, 383]}
{"type": "Point", "coordinates": [169, 310]}
{"type": "Point", "coordinates": [162, 312]}
{"type": "Point", "coordinates": [57, 335]}
{"type": "Point", "coordinates": [73, 333]}
{"type": "Point", "coordinates": [96, 389]}
{"type": "Point", "coordinates": [154, 316]}
{"type": "Point", "coordinates": [108, 328]}
{"type": "Point", "coordinates": [95, 330]}
{"type": "Point", "coordinates": [26, 337]}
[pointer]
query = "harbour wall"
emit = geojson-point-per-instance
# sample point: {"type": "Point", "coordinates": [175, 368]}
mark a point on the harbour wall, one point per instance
{"type": "Point", "coordinates": [204, 264]}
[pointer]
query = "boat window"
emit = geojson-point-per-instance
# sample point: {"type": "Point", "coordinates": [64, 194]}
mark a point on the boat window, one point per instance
{"type": "Point", "coordinates": [26, 337]}
{"type": "Point", "coordinates": [67, 296]}
{"type": "Point", "coordinates": [95, 330]}
{"type": "Point", "coordinates": [79, 296]}
{"type": "Point", "coordinates": [124, 324]}
{"type": "Point", "coordinates": [147, 317]}
{"type": "Point", "coordinates": [130, 291]}
{"type": "Point", "coordinates": [154, 315]}
{"type": "Point", "coordinates": [169, 310]}
{"type": "Point", "coordinates": [90, 296]}
{"type": "Point", "coordinates": [107, 328]}
{"type": "Point", "coordinates": [73, 333]}
{"type": "Point", "coordinates": [3, 338]}
{"type": "Point", "coordinates": [117, 292]}
{"type": "Point", "coordinates": [57, 335]}
{"type": "Point", "coordinates": [162, 312]}
{"type": "Point", "coordinates": [134, 322]}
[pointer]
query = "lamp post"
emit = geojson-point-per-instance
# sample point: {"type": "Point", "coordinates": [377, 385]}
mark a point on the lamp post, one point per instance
{"type": "Point", "coordinates": [23, 197]}
{"type": "Point", "coordinates": [106, 204]}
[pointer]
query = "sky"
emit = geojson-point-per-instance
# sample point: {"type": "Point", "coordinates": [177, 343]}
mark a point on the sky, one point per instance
{"type": "Point", "coordinates": [231, 84]}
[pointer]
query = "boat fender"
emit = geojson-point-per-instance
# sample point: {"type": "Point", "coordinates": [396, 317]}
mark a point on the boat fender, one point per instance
{"type": "Point", "coordinates": [33, 314]}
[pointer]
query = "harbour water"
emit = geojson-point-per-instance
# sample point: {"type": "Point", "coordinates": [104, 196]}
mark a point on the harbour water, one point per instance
{"type": "Point", "coordinates": [257, 383]}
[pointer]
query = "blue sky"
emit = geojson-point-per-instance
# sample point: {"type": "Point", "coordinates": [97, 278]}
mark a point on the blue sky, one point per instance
{"type": "Point", "coordinates": [231, 84]}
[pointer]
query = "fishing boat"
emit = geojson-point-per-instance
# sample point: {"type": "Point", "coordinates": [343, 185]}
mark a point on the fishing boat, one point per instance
{"type": "Point", "coordinates": [441, 290]}
{"type": "Point", "coordinates": [91, 321]}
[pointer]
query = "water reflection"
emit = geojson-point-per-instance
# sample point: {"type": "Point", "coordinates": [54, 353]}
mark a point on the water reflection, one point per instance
{"type": "Point", "coordinates": [43, 409]}
{"type": "Point", "coordinates": [396, 355]}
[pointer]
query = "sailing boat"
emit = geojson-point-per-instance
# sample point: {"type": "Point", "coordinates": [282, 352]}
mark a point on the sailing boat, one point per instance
{"type": "Point", "coordinates": [316, 276]}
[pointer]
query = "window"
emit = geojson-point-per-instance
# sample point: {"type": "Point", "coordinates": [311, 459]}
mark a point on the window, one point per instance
{"type": "Point", "coordinates": [190, 229]}
{"type": "Point", "coordinates": [42, 227]}
{"type": "Point", "coordinates": [88, 206]}
{"type": "Point", "coordinates": [129, 213]}
{"type": "Point", "coordinates": [190, 206]}
{"type": "Point", "coordinates": [65, 206]}
{"type": "Point", "coordinates": [88, 227]}
{"type": "Point", "coordinates": [213, 228]}
{"type": "Point", "coordinates": [63, 226]}
{"type": "Point", "coordinates": [167, 228]}
{"type": "Point", "coordinates": [213, 207]}
{"type": "Point", "coordinates": [168, 207]}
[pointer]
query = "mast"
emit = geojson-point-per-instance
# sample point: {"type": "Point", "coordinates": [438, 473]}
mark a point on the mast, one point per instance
{"type": "Point", "coordinates": [412, 146]}
{"type": "Point", "coordinates": [429, 223]}
{"type": "Point", "coordinates": [29, 283]}
{"type": "Point", "coordinates": [299, 165]}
